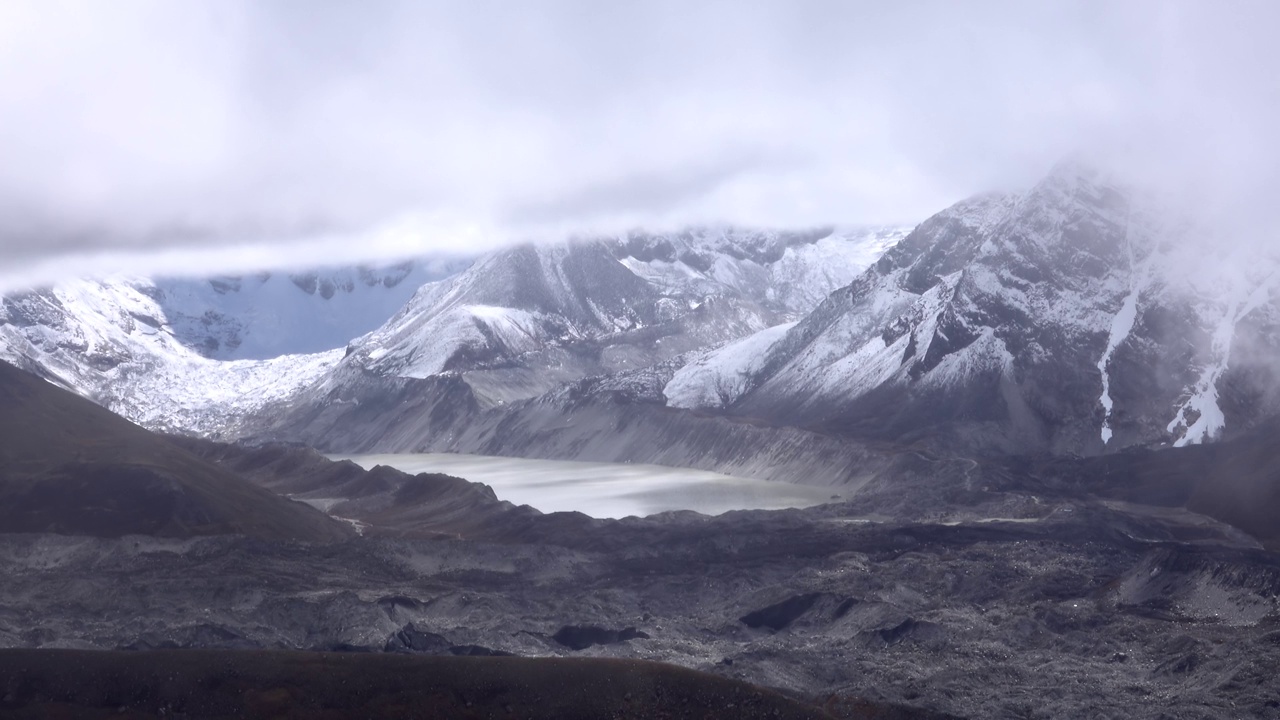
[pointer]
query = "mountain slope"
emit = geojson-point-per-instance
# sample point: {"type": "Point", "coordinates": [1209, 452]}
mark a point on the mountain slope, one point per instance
{"type": "Point", "coordinates": [1074, 318]}
{"type": "Point", "coordinates": [519, 323]}
{"type": "Point", "coordinates": [193, 355]}
{"type": "Point", "coordinates": [788, 273]}
{"type": "Point", "coordinates": [525, 320]}
{"type": "Point", "coordinates": [69, 466]}
{"type": "Point", "coordinates": [112, 343]}
{"type": "Point", "coordinates": [532, 320]}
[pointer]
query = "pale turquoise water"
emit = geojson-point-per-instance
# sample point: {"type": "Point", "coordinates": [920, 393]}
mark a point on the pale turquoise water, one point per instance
{"type": "Point", "coordinates": [607, 490]}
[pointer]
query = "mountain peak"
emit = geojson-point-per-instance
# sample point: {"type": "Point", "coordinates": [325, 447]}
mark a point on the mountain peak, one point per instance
{"type": "Point", "coordinates": [1046, 321]}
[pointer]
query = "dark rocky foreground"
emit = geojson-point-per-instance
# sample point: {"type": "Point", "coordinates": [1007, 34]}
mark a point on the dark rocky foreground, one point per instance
{"type": "Point", "coordinates": [1063, 609]}
{"type": "Point", "coordinates": [333, 686]}
{"type": "Point", "coordinates": [69, 466]}
{"type": "Point", "coordinates": [1015, 587]}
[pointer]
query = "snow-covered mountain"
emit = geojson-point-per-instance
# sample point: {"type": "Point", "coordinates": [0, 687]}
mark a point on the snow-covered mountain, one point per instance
{"type": "Point", "coordinates": [788, 273]}
{"type": "Point", "coordinates": [1078, 317]}
{"type": "Point", "coordinates": [182, 354]}
{"type": "Point", "coordinates": [113, 343]}
{"type": "Point", "coordinates": [205, 356]}
{"type": "Point", "coordinates": [524, 320]}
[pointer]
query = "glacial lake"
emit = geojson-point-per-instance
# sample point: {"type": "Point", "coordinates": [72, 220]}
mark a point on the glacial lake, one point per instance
{"type": "Point", "coordinates": [606, 490]}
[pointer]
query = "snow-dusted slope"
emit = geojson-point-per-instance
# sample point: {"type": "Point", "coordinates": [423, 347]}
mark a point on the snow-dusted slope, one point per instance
{"type": "Point", "coordinates": [198, 355]}
{"type": "Point", "coordinates": [112, 342]}
{"type": "Point", "coordinates": [202, 355]}
{"type": "Point", "coordinates": [787, 272]}
{"type": "Point", "coordinates": [525, 320]}
{"type": "Point", "coordinates": [1077, 317]}
{"type": "Point", "coordinates": [719, 377]}
{"type": "Point", "coordinates": [507, 305]}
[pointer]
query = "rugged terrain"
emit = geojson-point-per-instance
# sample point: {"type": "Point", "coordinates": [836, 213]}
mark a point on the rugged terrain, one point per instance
{"type": "Point", "coordinates": [184, 352]}
{"type": "Point", "coordinates": [1080, 317]}
{"type": "Point", "coordinates": [1075, 318]}
{"type": "Point", "coordinates": [948, 585]}
{"type": "Point", "coordinates": [1033, 586]}
{"type": "Point", "coordinates": [222, 357]}
{"type": "Point", "coordinates": [1052, 421]}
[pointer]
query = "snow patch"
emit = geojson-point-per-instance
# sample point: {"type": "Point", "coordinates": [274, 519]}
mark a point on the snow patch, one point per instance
{"type": "Point", "coordinates": [1121, 326]}
{"type": "Point", "coordinates": [1200, 418]}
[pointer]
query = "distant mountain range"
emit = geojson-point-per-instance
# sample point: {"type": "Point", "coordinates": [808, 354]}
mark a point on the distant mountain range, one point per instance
{"type": "Point", "coordinates": [516, 324]}
{"type": "Point", "coordinates": [1079, 317]}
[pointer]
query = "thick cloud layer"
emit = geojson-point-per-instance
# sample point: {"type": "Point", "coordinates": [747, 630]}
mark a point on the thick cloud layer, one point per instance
{"type": "Point", "coordinates": [224, 134]}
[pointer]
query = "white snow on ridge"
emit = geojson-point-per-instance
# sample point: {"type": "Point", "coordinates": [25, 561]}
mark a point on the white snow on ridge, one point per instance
{"type": "Point", "coordinates": [1200, 418]}
{"type": "Point", "coordinates": [986, 353]}
{"type": "Point", "coordinates": [110, 341]}
{"type": "Point", "coordinates": [1121, 326]}
{"type": "Point", "coordinates": [851, 357]}
{"type": "Point", "coordinates": [795, 283]}
{"type": "Point", "coordinates": [452, 317]}
{"type": "Point", "coordinates": [808, 273]}
{"type": "Point", "coordinates": [868, 366]}
{"type": "Point", "coordinates": [201, 395]}
{"type": "Point", "coordinates": [719, 377]}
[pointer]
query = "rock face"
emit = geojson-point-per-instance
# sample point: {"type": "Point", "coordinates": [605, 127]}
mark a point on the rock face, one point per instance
{"type": "Point", "coordinates": [1076, 318]}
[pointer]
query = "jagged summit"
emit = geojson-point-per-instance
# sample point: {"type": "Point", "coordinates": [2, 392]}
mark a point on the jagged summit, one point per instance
{"type": "Point", "coordinates": [787, 273]}
{"type": "Point", "coordinates": [510, 303]}
{"type": "Point", "coordinates": [516, 323]}
{"type": "Point", "coordinates": [527, 319]}
{"type": "Point", "coordinates": [1079, 316]}
{"type": "Point", "coordinates": [1059, 320]}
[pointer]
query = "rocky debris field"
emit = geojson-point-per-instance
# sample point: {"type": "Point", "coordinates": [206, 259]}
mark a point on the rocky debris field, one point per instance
{"type": "Point", "coordinates": [1056, 609]}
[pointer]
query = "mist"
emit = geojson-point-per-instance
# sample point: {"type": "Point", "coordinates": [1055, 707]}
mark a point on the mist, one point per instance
{"type": "Point", "coordinates": [153, 137]}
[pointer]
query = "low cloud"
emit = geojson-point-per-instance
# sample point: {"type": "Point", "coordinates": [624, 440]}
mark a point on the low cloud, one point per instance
{"type": "Point", "coordinates": [169, 136]}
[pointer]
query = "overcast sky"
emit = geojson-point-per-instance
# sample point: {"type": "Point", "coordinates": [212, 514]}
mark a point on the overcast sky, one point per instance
{"type": "Point", "coordinates": [170, 136]}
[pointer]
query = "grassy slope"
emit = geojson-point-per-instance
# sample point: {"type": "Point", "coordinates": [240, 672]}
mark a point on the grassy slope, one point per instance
{"type": "Point", "coordinates": [70, 466]}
